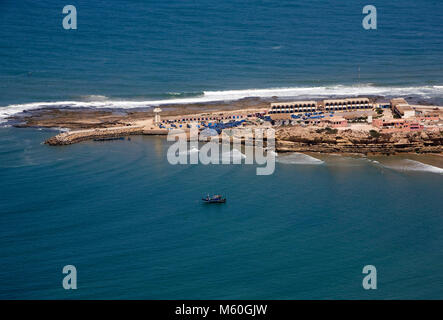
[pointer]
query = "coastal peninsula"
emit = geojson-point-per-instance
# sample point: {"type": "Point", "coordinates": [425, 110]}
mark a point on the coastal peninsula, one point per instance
{"type": "Point", "coordinates": [347, 125]}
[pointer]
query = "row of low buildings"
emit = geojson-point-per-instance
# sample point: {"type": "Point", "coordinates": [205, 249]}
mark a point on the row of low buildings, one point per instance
{"type": "Point", "coordinates": [335, 113]}
{"type": "Point", "coordinates": [188, 119]}
{"type": "Point", "coordinates": [326, 121]}
{"type": "Point", "coordinates": [329, 105]}
{"type": "Point", "coordinates": [319, 113]}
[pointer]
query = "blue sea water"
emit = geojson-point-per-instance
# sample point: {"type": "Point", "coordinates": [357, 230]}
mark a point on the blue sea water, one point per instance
{"type": "Point", "coordinates": [154, 50]}
{"type": "Point", "coordinates": [133, 224]}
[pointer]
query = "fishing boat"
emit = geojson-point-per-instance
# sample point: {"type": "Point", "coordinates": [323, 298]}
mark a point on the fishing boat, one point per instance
{"type": "Point", "coordinates": [214, 199]}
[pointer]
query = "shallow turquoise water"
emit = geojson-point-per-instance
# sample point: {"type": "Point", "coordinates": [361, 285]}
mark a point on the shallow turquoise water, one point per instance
{"type": "Point", "coordinates": [134, 227]}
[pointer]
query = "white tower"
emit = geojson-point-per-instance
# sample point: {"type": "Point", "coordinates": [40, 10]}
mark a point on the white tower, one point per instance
{"type": "Point", "coordinates": [157, 115]}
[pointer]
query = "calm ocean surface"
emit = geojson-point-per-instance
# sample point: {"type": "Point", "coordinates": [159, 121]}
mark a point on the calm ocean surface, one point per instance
{"type": "Point", "coordinates": [154, 50]}
{"type": "Point", "coordinates": [134, 226]}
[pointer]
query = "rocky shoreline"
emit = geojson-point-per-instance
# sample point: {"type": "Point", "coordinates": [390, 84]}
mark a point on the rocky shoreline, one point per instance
{"type": "Point", "coordinates": [89, 124]}
{"type": "Point", "coordinates": [295, 140]}
{"type": "Point", "coordinates": [348, 141]}
{"type": "Point", "coordinates": [72, 137]}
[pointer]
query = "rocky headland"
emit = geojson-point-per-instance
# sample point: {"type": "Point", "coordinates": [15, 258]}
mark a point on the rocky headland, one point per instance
{"type": "Point", "coordinates": [349, 141]}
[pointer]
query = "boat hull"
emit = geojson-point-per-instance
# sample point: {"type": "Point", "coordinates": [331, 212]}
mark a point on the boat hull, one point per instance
{"type": "Point", "coordinates": [214, 201]}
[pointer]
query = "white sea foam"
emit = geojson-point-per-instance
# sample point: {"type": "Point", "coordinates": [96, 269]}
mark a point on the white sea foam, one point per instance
{"type": "Point", "coordinates": [299, 158]}
{"type": "Point", "coordinates": [337, 90]}
{"type": "Point", "coordinates": [192, 150]}
{"type": "Point", "coordinates": [95, 101]}
{"type": "Point", "coordinates": [232, 155]}
{"type": "Point", "coordinates": [412, 165]}
{"type": "Point", "coordinates": [275, 154]}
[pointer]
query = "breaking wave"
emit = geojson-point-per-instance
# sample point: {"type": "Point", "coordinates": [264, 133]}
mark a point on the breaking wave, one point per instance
{"type": "Point", "coordinates": [97, 101]}
{"type": "Point", "coordinates": [299, 158]}
{"type": "Point", "coordinates": [194, 150]}
{"type": "Point", "coordinates": [326, 91]}
{"type": "Point", "coordinates": [187, 152]}
{"type": "Point", "coordinates": [232, 155]}
{"type": "Point", "coordinates": [412, 165]}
